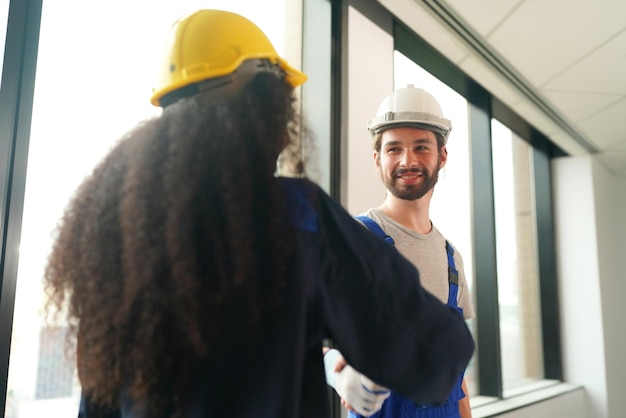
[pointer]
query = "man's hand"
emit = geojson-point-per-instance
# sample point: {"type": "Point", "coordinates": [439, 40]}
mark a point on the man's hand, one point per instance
{"type": "Point", "coordinates": [357, 392]}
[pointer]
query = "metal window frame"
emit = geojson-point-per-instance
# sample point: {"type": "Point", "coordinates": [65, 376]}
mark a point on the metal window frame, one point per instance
{"type": "Point", "coordinates": [482, 108]}
{"type": "Point", "coordinates": [334, 68]}
{"type": "Point", "coordinates": [543, 152]}
{"type": "Point", "coordinates": [338, 88]}
{"type": "Point", "coordinates": [16, 105]}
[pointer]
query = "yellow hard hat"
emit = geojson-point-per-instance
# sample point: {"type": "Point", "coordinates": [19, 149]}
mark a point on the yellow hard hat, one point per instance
{"type": "Point", "coordinates": [207, 44]}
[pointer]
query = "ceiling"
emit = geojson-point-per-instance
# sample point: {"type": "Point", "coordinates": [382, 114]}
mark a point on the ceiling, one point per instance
{"type": "Point", "coordinates": [560, 64]}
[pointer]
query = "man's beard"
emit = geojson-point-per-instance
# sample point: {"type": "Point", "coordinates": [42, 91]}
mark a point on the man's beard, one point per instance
{"type": "Point", "coordinates": [414, 191]}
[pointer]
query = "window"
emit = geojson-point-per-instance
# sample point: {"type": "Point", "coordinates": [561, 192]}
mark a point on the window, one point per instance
{"type": "Point", "coordinates": [94, 80]}
{"type": "Point", "coordinates": [517, 271]}
{"type": "Point", "coordinates": [504, 163]}
{"type": "Point", "coordinates": [450, 208]}
{"type": "Point", "coordinates": [451, 199]}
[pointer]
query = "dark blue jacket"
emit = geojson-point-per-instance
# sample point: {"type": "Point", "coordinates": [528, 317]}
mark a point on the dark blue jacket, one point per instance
{"type": "Point", "coordinates": [349, 286]}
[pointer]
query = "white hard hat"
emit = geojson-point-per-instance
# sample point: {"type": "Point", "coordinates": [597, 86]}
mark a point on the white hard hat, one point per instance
{"type": "Point", "coordinates": [410, 107]}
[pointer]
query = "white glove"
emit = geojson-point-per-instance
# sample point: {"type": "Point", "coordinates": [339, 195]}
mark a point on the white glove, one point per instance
{"type": "Point", "coordinates": [365, 396]}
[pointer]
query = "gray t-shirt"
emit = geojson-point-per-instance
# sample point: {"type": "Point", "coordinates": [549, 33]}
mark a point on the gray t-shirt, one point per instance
{"type": "Point", "coordinates": [428, 253]}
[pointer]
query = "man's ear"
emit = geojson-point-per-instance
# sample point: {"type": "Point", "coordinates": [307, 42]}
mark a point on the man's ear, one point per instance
{"type": "Point", "coordinates": [444, 156]}
{"type": "Point", "coordinates": [376, 160]}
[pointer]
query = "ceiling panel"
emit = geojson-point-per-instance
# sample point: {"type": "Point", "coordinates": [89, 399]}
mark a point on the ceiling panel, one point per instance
{"type": "Point", "coordinates": [578, 105]}
{"type": "Point", "coordinates": [543, 38]}
{"type": "Point", "coordinates": [616, 163]}
{"type": "Point", "coordinates": [601, 71]}
{"type": "Point", "coordinates": [618, 148]}
{"type": "Point", "coordinates": [608, 128]}
{"type": "Point", "coordinates": [485, 15]}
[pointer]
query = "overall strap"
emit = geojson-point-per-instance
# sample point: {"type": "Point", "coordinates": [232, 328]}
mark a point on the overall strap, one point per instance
{"type": "Point", "coordinates": [373, 226]}
{"type": "Point", "coordinates": [453, 276]}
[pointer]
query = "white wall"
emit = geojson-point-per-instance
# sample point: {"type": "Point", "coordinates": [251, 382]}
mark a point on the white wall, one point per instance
{"type": "Point", "coordinates": [610, 203]}
{"type": "Point", "coordinates": [590, 204]}
{"type": "Point", "coordinates": [370, 65]}
{"type": "Point", "coordinates": [579, 279]}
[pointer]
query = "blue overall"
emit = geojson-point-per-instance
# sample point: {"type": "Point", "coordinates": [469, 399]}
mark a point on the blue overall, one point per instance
{"type": "Point", "coordinates": [396, 406]}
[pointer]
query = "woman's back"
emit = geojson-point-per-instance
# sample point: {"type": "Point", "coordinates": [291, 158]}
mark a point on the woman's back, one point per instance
{"type": "Point", "coordinates": [198, 284]}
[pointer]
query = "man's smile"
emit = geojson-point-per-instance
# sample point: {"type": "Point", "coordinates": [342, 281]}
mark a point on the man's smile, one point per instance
{"type": "Point", "coordinates": [409, 177]}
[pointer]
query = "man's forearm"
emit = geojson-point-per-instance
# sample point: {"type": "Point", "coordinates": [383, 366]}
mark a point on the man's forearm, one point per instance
{"type": "Point", "coordinates": [464, 404]}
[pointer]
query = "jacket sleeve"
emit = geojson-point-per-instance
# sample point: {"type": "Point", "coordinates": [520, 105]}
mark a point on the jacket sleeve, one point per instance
{"type": "Point", "coordinates": [386, 325]}
{"type": "Point", "coordinates": [89, 410]}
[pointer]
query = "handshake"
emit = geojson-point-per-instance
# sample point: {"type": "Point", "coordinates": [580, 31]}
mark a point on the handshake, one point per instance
{"type": "Point", "coordinates": [357, 392]}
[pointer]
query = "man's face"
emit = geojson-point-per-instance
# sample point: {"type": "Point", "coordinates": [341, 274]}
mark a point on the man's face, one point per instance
{"type": "Point", "coordinates": [409, 162]}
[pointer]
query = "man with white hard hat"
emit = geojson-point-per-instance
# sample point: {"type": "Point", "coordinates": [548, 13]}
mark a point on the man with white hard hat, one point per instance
{"type": "Point", "coordinates": [409, 135]}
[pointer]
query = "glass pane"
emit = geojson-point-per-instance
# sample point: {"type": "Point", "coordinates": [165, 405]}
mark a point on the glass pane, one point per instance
{"type": "Point", "coordinates": [450, 208]}
{"type": "Point", "coordinates": [518, 284]}
{"type": "Point", "coordinates": [94, 79]}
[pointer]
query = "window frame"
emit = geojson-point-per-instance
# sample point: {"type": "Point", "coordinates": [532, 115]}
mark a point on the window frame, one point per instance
{"type": "Point", "coordinates": [482, 108]}
{"type": "Point", "coordinates": [17, 88]}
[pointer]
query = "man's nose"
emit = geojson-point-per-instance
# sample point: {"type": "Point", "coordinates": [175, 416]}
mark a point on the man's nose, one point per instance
{"type": "Point", "coordinates": [409, 160]}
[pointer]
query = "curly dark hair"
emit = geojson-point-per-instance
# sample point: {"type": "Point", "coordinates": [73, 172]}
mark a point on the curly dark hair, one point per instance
{"type": "Point", "coordinates": [179, 216]}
